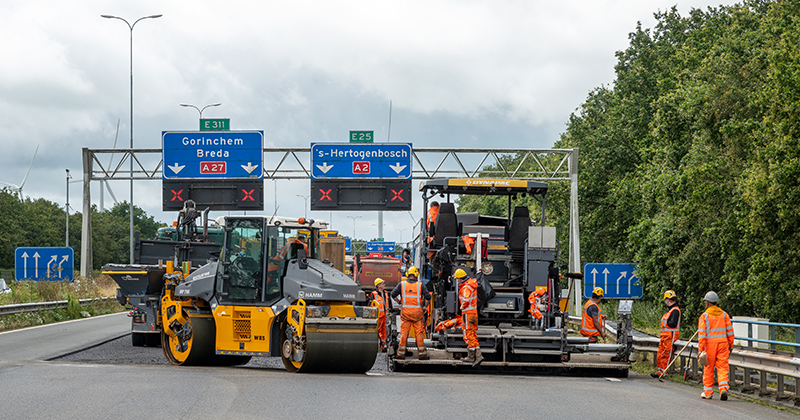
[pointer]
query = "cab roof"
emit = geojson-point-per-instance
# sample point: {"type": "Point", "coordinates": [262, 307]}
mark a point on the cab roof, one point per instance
{"type": "Point", "coordinates": [290, 222]}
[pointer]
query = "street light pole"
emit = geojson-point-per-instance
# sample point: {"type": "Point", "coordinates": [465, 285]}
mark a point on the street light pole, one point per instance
{"type": "Point", "coordinates": [401, 234]}
{"type": "Point", "coordinates": [130, 210]}
{"type": "Point", "coordinates": [354, 225]}
{"type": "Point", "coordinates": [66, 207]}
{"type": "Point", "coordinates": [201, 110]}
{"type": "Point", "coordinates": [305, 204]}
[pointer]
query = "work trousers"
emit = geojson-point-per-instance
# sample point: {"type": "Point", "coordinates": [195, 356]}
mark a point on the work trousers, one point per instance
{"type": "Point", "coordinates": [382, 329]}
{"type": "Point", "coordinates": [471, 330]}
{"type": "Point", "coordinates": [666, 348]}
{"type": "Point", "coordinates": [412, 317]}
{"type": "Point", "coordinates": [718, 354]}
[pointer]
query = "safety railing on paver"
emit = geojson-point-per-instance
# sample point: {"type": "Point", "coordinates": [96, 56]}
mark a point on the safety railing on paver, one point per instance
{"type": "Point", "coordinates": [748, 359]}
{"type": "Point", "coordinates": [43, 306]}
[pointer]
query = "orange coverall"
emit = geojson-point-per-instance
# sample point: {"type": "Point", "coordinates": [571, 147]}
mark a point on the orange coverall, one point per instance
{"type": "Point", "coordinates": [381, 316]}
{"type": "Point", "coordinates": [411, 314]}
{"type": "Point", "coordinates": [668, 337]}
{"type": "Point", "coordinates": [469, 311]}
{"type": "Point", "coordinates": [716, 339]}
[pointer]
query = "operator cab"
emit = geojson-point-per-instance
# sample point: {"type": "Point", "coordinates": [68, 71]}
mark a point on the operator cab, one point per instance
{"type": "Point", "coordinates": [257, 246]}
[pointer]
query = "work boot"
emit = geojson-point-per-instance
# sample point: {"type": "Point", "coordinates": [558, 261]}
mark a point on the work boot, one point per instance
{"type": "Point", "coordinates": [708, 395]}
{"type": "Point", "coordinates": [423, 355]}
{"type": "Point", "coordinates": [723, 396]}
{"type": "Point", "coordinates": [654, 375]}
{"type": "Point", "coordinates": [478, 357]}
{"type": "Point", "coordinates": [470, 357]}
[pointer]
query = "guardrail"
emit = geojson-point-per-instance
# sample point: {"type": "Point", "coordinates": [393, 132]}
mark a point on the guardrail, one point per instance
{"type": "Point", "coordinates": [772, 342]}
{"type": "Point", "coordinates": [18, 308]}
{"type": "Point", "coordinates": [750, 360]}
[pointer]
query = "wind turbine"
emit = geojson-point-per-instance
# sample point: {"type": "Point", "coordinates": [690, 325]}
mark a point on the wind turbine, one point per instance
{"type": "Point", "coordinates": [105, 181]}
{"type": "Point", "coordinates": [18, 188]}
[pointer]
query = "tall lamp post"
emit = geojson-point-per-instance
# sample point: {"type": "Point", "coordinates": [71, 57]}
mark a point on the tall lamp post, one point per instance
{"type": "Point", "coordinates": [131, 28]}
{"type": "Point", "coordinates": [401, 234]}
{"type": "Point", "coordinates": [354, 225]}
{"type": "Point", "coordinates": [66, 208]}
{"type": "Point", "coordinates": [201, 110]}
{"type": "Point", "coordinates": [305, 204]}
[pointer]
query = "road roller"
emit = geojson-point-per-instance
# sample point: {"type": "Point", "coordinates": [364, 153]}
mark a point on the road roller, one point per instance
{"type": "Point", "coordinates": [267, 294]}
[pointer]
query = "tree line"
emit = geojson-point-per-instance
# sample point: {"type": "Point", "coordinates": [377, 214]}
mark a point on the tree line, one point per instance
{"type": "Point", "coordinates": [42, 223]}
{"type": "Point", "coordinates": [689, 163]}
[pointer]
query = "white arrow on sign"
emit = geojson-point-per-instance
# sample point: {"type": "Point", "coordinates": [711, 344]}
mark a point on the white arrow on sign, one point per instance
{"type": "Point", "coordinates": [176, 168]}
{"type": "Point", "coordinates": [594, 278]}
{"type": "Point", "coordinates": [622, 276]}
{"type": "Point", "coordinates": [249, 168]}
{"type": "Point", "coordinates": [397, 167]}
{"type": "Point", "coordinates": [605, 280]}
{"type": "Point", "coordinates": [36, 257]}
{"type": "Point", "coordinates": [52, 260]}
{"type": "Point", "coordinates": [64, 259]}
{"type": "Point", "coordinates": [324, 167]}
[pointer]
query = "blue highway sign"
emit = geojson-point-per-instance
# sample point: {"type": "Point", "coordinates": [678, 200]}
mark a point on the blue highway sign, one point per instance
{"type": "Point", "coordinates": [619, 281]}
{"type": "Point", "coordinates": [213, 154]}
{"type": "Point", "coordinates": [361, 160]}
{"type": "Point", "coordinates": [347, 245]}
{"type": "Point", "coordinates": [44, 263]}
{"type": "Point", "coordinates": [385, 247]}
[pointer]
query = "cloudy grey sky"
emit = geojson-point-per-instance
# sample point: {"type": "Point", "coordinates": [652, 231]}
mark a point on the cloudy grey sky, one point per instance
{"type": "Point", "coordinates": [459, 74]}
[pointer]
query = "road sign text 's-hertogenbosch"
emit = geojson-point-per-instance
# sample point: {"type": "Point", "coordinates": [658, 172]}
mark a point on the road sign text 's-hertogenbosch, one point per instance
{"type": "Point", "coordinates": [619, 281]}
{"type": "Point", "coordinates": [213, 155]}
{"type": "Point", "coordinates": [44, 263]}
{"type": "Point", "coordinates": [361, 160]}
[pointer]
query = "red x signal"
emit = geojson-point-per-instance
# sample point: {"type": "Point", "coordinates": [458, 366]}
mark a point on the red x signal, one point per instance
{"type": "Point", "coordinates": [325, 195]}
{"type": "Point", "coordinates": [176, 195]}
{"type": "Point", "coordinates": [397, 195]}
{"type": "Point", "coordinates": [248, 195]}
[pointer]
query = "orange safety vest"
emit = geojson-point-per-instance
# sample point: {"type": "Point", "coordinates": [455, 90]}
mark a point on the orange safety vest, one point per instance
{"type": "Point", "coordinates": [469, 297]}
{"type": "Point", "coordinates": [381, 303]}
{"type": "Point", "coordinates": [433, 212]}
{"type": "Point", "coordinates": [715, 328]}
{"type": "Point", "coordinates": [587, 323]}
{"type": "Point", "coordinates": [412, 295]}
{"type": "Point", "coordinates": [666, 331]}
{"type": "Point", "coordinates": [468, 243]}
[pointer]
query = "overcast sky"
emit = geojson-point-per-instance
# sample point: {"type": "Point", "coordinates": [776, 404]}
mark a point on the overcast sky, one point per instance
{"type": "Point", "coordinates": [497, 74]}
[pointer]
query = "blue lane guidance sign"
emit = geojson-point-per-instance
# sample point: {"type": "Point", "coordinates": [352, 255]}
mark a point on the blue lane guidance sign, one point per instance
{"type": "Point", "coordinates": [361, 160]}
{"type": "Point", "coordinates": [619, 281]}
{"type": "Point", "coordinates": [385, 247]}
{"type": "Point", "coordinates": [44, 263]}
{"type": "Point", "coordinates": [213, 154]}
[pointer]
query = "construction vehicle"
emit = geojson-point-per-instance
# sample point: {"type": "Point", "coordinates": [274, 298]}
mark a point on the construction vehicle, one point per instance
{"type": "Point", "coordinates": [267, 294]}
{"type": "Point", "coordinates": [512, 258]}
{"type": "Point", "coordinates": [140, 284]}
{"type": "Point", "coordinates": [367, 268]}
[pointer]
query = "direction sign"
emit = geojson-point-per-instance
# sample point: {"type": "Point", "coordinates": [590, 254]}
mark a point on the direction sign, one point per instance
{"type": "Point", "coordinates": [385, 247]}
{"type": "Point", "coordinates": [361, 136]}
{"type": "Point", "coordinates": [213, 154]}
{"type": "Point", "coordinates": [215, 124]}
{"type": "Point", "coordinates": [44, 263]}
{"type": "Point", "coordinates": [347, 247]}
{"type": "Point", "coordinates": [619, 281]}
{"type": "Point", "coordinates": [361, 160]}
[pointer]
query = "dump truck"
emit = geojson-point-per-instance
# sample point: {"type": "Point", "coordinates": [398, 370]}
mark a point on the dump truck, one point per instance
{"type": "Point", "coordinates": [512, 258]}
{"type": "Point", "coordinates": [267, 294]}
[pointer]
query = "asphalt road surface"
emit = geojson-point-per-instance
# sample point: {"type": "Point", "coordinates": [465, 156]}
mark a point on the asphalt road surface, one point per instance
{"type": "Point", "coordinates": [115, 380]}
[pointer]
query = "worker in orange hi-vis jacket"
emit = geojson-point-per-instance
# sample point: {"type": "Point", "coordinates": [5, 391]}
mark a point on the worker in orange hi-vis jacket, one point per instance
{"type": "Point", "coordinates": [670, 331]}
{"type": "Point", "coordinates": [412, 295]}
{"type": "Point", "coordinates": [715, 330]}
{"type": "Point", "coordinates": [468, 297]}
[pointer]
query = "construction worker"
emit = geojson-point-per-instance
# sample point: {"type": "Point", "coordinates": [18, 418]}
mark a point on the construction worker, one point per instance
{"type": "Point", "coordinates": [715, 331]}
{"type": "Point", "coordinates": [533, 299]}
{"type": "Point", "coordinates": [379, 297]}
{"type": "Point", "coordinates": [468, 298]}
{"type": "Point", "coordinates": [670, 331]}
{"type": "Point", "coordinates": [433, 213]}
{"type": "Point", "coordinates": [412, 295]}
{"type": "Point", "coordinates": [593, 318]}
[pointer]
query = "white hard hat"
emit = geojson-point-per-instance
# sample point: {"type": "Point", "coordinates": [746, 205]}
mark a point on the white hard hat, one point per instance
{"type": "Point", "coordinates": [711, 297]}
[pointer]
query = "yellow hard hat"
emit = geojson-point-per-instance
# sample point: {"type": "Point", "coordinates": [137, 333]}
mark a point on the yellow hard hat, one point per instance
{"type": "Point", "coordinates": [378, 281]}
{"type": "Point", "coordinates": [460, 274]}
{"type": "Point", "coordinates": [598, 291]}
{"type": "Point", "coordinates": [670, 294]}
{"type": "Point", "coordinates": [413, 271]}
